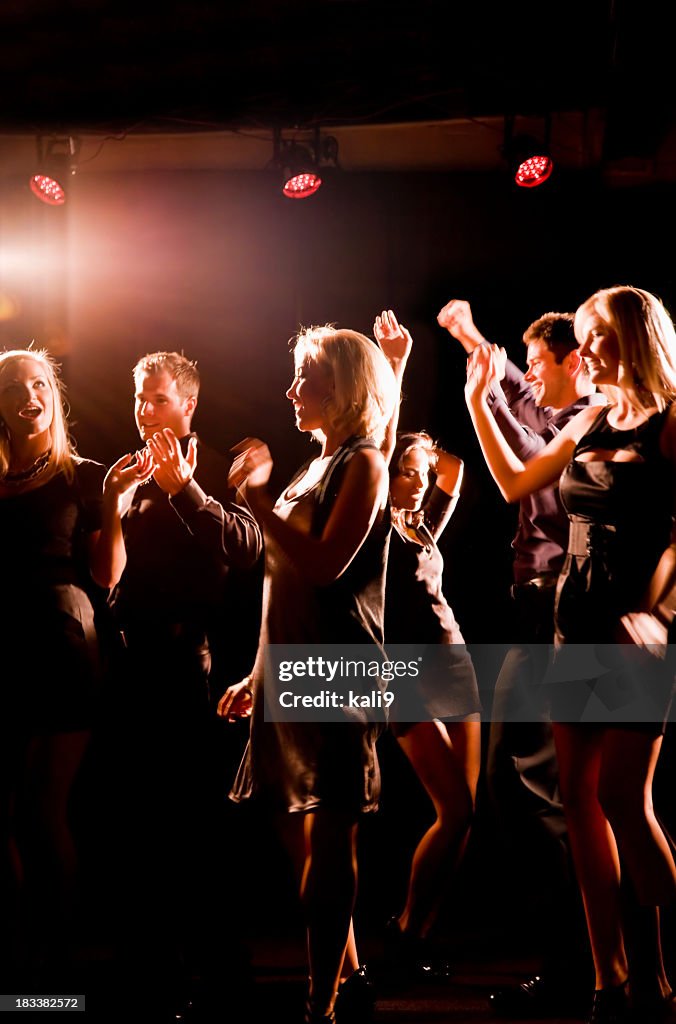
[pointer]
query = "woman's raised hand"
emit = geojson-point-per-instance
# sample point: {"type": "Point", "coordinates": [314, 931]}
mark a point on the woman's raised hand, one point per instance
{"type": "Point", "coordinates": [251, 467]}
{"type": "Point", "coordinates": [482, 373]}
{"type": "Point", "coordinates": [394, 340]}
{"type": "Point", "coordinates": [125, 474]}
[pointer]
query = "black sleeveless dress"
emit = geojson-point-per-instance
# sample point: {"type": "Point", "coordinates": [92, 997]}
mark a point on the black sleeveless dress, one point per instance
{"type": "Point", "coordinates": [303, 765]}
{"type": "Point", "coordinates": [621, 517]}
{"type": "Point", "coordinates": [51, 672]}
{"type": "Point", "coordinates": [417, 613]}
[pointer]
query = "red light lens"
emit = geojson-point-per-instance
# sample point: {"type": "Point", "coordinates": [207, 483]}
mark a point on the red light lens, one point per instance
{"type": "Point", "coordinates": [302, 185]}
{"type": "Point", "coordinates": [48, 190]}
{"type": "Point", "coordinates": [534, 171]}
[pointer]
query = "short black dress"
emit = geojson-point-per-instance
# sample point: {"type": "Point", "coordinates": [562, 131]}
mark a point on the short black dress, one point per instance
{"type": "Point", "coordinates": [300, 766]}
{"type": "Point", "coordinates": [417, 612]}
{"type": "Point", "coordinates": [51, 667]}
{"type": "Point", "coordinates": [621, 515]}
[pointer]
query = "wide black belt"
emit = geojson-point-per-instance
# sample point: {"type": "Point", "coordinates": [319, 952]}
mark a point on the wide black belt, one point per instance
{"type": "Point", "coordinates": [586, 538]}
{"type": "Point", "coordinates": [542, 582]}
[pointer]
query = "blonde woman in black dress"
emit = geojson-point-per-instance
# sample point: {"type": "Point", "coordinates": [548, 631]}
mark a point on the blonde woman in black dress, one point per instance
{"type": "Point", "coordinates": [61, 533]}
{"type": "Point", "coordinates": [326, 543]}
{"type": "Point", "coordinates": [617, 470]}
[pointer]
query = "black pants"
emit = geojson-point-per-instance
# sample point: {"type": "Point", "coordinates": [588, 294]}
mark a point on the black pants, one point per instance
{"type": "Point", "coordinates": [180, 918]}
{"type": "Point", "coordinates": [522, 782]}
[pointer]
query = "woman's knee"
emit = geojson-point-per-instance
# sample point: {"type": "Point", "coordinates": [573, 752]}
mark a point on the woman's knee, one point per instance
{"type": "Point", "coordinates": [625, 806]}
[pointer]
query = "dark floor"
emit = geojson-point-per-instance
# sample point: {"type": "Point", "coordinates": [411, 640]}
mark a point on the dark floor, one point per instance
{"type": "Point", "coordinates": [278, 991]}
{"type": "Point", "coordinates": [491, 920]}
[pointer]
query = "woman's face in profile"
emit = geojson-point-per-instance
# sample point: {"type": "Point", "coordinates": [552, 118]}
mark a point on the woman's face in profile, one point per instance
{"type": "Point", "coordinates": [310, 392]}
{"type": "Point", "coordinates": [26, 398]}
{"type": "Point", "coordinates": [408, 486]}
{"type": "Point", "coordinates": [599, 347]}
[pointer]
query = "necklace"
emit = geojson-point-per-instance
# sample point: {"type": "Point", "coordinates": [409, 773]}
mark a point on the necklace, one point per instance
{"type": "Point", "coordinates": [33, 470]}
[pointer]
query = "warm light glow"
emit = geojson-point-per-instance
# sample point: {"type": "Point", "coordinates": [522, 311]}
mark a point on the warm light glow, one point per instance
{"type": "Point", "coordinates": [48, 190]}
{"type": "Point", "coordinates": [302, 185]}
{"type": "Point", "coordinates": [534, 171]}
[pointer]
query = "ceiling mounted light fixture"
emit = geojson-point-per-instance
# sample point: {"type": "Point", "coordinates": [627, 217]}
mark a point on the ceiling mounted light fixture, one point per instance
{"type": "Point", "coordinates": [300, 163]}
{"type": "Point", "coordinates": [529, 158]}
{"type": "Point", "coordinates": [56, 164]}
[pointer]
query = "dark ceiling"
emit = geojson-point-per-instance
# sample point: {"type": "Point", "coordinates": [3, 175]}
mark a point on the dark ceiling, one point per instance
{"type": "Point", "coordinates": [99, 65]}
{"type": "Point", "coordinates": [89, 65]}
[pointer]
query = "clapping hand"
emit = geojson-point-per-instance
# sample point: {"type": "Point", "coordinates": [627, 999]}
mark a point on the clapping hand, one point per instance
{"type": "Point", "coordinates": [481, 374]}
{"type": "Point", "coordinates": [124, 475]}
{"type": "Point", "coordinates": [251, 469]}
{"type": "Point", "coordinates": [173, 470]}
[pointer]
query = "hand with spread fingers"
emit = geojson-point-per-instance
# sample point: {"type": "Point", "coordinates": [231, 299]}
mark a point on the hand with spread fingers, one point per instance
{"type": "Point", "coordinates": [394, 340]}
{"type": "Point", "coordinates": [173, 470]}
{"type": "Point", "coordinates": [125, 474]}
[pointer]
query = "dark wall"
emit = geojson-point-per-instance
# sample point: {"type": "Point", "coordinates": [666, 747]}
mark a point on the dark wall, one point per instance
{"type": "Point", "coordinates": [223, 267]}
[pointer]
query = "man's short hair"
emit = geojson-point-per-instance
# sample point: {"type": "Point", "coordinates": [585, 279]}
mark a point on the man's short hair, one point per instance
{"type": "Point", "coordinates": [557, 332]}
{"type": "Point", "coordinates": [180, 369]}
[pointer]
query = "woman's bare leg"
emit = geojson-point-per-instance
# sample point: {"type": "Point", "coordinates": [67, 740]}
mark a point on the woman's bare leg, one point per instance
{"type": "Point", "coordinates": [579, 751]}
{"type": "Point", "coordinates": [446, 759]}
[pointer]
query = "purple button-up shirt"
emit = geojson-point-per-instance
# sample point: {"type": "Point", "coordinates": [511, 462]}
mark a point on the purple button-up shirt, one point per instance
{"type": "Point", "coordinates": [542, 534]}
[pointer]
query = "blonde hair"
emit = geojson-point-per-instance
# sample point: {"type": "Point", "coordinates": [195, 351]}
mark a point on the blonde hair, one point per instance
{"type": "Point", "coordinates": [62, 456]}
{"type": "Point", "coordinates": [365, 388]}
{"type": "Point", "coordinates": [181, 369]}
{"type": "Point", "coordinates": [646, 339]}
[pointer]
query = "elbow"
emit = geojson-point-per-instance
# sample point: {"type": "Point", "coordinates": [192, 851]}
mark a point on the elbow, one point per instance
{"type": "Point", "coordinates": [105, 580]}
{"type": "Point", "coordinates": [510, 495]}
{"type": "Point", "coordinates": [108, 576]}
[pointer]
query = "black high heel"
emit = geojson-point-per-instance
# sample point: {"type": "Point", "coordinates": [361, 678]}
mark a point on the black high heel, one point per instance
{"type": "Point", "coordinates": [356, 999]}
{"type": "Point", "coordinates": [610, 1006]}
{"type": "Point", "coordinates": [313, 1016]}
{"type": "Point", "coordinates": [408, 958]}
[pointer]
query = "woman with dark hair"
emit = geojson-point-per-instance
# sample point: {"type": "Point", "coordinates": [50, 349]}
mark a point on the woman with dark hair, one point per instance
{"type": "Point", "coordinates": [326, 544]}
{"type": "Point", "coordinates": [617, 470]}
{"type": "Point", "coordinates": [61, 528]}
{"type": "Point", "coordinates": [437, 722]}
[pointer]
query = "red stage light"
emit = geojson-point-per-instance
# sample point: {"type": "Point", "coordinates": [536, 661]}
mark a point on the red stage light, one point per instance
{"type": "Point", "coordinates": [534, 171]}
{"type": "Point", "coordinates": [302, 185]}
{"type": "Point", "coordinates": [47, 189]}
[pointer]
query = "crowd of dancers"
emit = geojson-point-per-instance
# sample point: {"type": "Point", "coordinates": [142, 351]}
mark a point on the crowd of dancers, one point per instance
{"type": "Point", "coordinates": [147, 574]}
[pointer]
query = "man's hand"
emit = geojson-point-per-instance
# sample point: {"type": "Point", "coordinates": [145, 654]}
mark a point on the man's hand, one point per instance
{"type": "Point", "coordinates": [173, 469]}
{"type": "Point", "coordinates": [456, 317]}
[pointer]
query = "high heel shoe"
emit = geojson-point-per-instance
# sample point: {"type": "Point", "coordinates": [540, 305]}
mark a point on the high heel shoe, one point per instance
{"type": "Point", "coordinates": [314, 1016]}
{"type": "Point", "coordinates": [356, 999]}
{"type": "Point", "coordinates": [408, 958]}
{"type": "Point", "coordinates": [610, 1006]}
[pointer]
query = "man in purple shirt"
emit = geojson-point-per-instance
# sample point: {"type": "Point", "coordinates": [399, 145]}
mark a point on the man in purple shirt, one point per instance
{"type": "Point", "coordinates": [522, 776]}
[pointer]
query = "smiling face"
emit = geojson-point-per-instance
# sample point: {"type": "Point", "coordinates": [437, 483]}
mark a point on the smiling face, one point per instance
{"type": "Point", "coordinates": [310, 391]}
{"type": "Point", "coordinates": [599, 347]}
{"type": "Point", "coordinates": [26, 398]}
{"type": "Point", "coordinates": [408, 486]}
{"type": "Point", "coordinates": [548, 379]}
{"type": "Point", "coordinates": [157, 404]}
